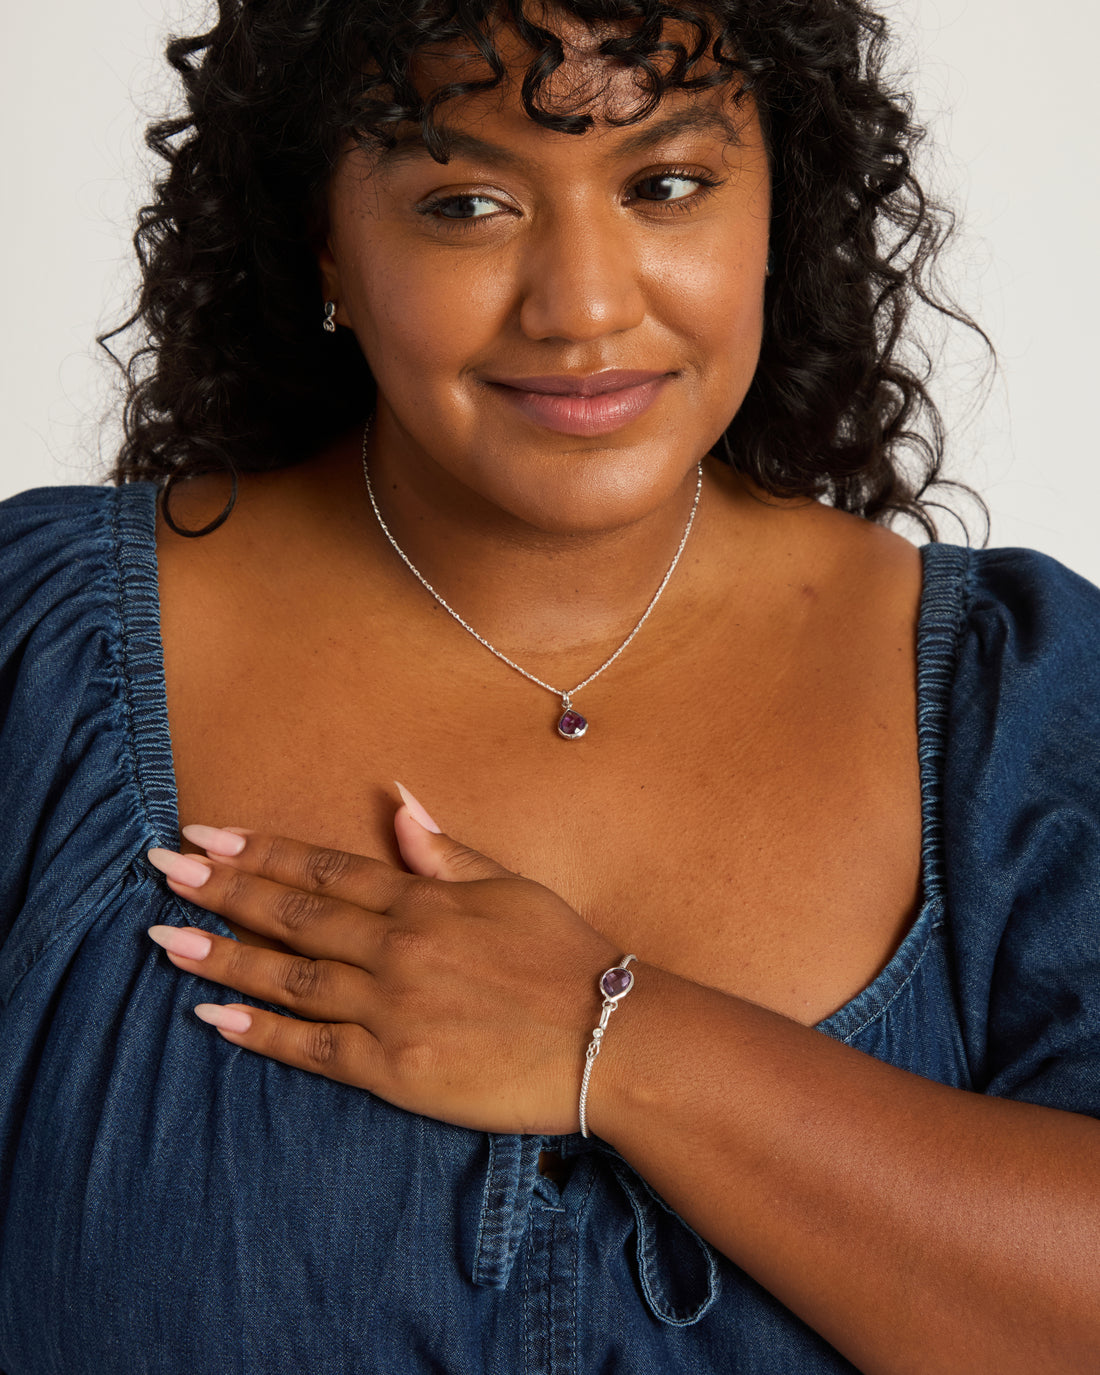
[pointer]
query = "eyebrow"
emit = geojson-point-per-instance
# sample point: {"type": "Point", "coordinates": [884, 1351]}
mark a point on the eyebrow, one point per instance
{"type": "Point", "coordinates": [410, 147]}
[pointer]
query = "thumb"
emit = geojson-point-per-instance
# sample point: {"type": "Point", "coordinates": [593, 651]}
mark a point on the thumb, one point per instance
{"type": "Point", "coordinates": [430, 853]}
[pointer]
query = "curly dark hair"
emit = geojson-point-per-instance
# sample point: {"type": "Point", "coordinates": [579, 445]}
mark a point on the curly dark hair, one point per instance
{"type": "Point", "coordinates": [233, 372]}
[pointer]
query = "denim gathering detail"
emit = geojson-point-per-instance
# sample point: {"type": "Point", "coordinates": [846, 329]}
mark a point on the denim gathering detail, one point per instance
{"type": "Point", "coordinates": [172, 1204]}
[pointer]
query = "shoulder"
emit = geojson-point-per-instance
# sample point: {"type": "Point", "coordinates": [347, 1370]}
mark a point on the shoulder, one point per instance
{"type": "Point", "coordinates": [79, 686]}
{"type": "Point", "coordinates": [1018, 635]}
{"type": "Point", "coordinates": [55, 545]}
{"type": "Point", "coordinates": [1027, 674]}
{"type": "Point", "coordinates": [1021, 820]}
{"type": "Point", "coordinates": [68, 558]}
{"type": "Point", "coordinates": [1034, 593]}
{"type": "Point", "coordinates": [40, 506]}
{"type": "Point", "coordinates": [1022, 763]}
{"type": "Point", "coordinates": [50, 526]}
{"type": "Point", "coordinates": [32, 515]}
{"type": "Point", "coordinates": [50, 529]}
{"type": "Point", "coordinates": [65, 553]}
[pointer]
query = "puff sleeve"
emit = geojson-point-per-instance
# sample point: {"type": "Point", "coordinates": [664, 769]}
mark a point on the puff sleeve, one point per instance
{"type": "Point", "coordinates": [1021, 825]}
{"type": "Point", "coordinates": [74, 803]}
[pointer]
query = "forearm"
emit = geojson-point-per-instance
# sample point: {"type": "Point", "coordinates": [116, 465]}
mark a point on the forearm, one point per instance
{"type": "Point", "coordinates": [915, 1226]}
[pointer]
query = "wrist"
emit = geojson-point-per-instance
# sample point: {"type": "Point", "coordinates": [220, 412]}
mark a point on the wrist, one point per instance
{"type": "Point", "coordinates": [614, 985]}
{"type": "Point", "coordinates": [621, 1085]}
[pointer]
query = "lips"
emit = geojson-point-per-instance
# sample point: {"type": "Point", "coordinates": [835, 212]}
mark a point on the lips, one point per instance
{"type": "Point", "coordinates": [590, 384]}
{"type": "Point", "coordinates": [610, 400]}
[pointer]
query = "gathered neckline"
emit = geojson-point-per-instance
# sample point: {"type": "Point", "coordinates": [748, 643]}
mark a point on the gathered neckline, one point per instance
{"type": "Point", "coordinates": [942, 604]}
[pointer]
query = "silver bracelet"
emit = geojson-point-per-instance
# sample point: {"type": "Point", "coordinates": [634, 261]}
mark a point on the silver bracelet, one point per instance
{"type": "Point", "coordinates": [614, 984]}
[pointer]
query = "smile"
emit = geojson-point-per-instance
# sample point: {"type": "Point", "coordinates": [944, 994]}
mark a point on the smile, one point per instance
{"type": "Point", "coordinates": [569, 413]}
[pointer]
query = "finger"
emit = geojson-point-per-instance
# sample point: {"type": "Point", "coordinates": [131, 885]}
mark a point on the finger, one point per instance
{"type": "Point", "coordinates": [318, 989]}
{"type": "Point", "coordinates": [430, 853]}
{"type": "Point", "coordinates": [342, 1051]}
{"type": "Point", "coordinates": [322, 928]}
{"type": "Point", "coordinates": [313, 868]}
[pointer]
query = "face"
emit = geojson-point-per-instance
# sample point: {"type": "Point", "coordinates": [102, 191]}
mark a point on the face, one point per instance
{"type": "Point", "coordinates": [490, 293]}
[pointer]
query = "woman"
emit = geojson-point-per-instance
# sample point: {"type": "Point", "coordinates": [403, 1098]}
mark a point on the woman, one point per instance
{"type": "Point", "coordinates": [568, 337]}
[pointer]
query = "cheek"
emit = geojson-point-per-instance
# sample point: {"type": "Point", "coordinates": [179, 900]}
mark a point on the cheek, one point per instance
{"type": "Point", "coordinates": [712, 301]}
{"type": "Point", "coordinates": [418, 314]}
{"type": "Point", "coordinates": [717, 285]}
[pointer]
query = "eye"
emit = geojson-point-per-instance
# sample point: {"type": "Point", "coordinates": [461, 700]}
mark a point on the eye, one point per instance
{"type": "Point", "coordinates": [673, 189]}
{"type": "Point", "coordinates": [459, 212]}
{"type": "Point", "coordinates": [665, 184]}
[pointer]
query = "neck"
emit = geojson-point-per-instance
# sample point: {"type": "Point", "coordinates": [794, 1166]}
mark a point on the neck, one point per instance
{"type": "Point", "coordinates": [526, 589]}
{"type": "Point", "coordinates": [556, 602]}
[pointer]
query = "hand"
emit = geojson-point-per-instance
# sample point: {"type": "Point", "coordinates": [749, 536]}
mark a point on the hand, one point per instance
{"type": "Point", "coordinates": [458, 990]}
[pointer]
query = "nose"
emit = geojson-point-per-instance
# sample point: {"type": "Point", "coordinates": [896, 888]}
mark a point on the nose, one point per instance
{"type": "Point", "coordinates": [581, 280]}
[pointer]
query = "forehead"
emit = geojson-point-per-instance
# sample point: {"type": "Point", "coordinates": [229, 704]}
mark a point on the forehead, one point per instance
{"type": "Point", "coordinates": [485, 146]}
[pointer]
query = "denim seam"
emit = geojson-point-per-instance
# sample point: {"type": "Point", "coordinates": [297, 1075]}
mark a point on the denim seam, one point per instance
{"type": "Point", "coordinates": [970, 592]}
{"type": "Point", "coordinates": [885, 1007]}
{"type": "Point", "coordinates": [124, 646]}
{"type": "Point", "coordinates": [503, 1220]}
{"type": "Point", "coordinates": [588, 1191]}
{"type": "Point", "coordinates": [544, 1278]}
{"type": "Point", "coordinates": [134, 534]}
{"type": "Point", "coordinates": [667, 1313]}
{"type": "Point", "coordinates": [528, 1261]}
{"type": "Point", "coordinates": [576, 1285]}
{"type": "Point", "coordinates": [970, 583]}
{"type": "Point", "coordinates": [581, 1206]}
{"type": "Point", "coordinates": [943, 614]}
{"type": "Point", "coordinates": [553, 1246]}
{"type": "Point", "coordinates": [484, 1209]}
{"type": "Point", "coordinates": [945, 570]}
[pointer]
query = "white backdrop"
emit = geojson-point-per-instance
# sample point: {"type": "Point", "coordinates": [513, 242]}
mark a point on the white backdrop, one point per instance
{"type": "Point", "coordinates": [1010, 113]}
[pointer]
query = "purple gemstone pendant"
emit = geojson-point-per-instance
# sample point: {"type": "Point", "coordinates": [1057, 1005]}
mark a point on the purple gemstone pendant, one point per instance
{"type": "Point", "coordinates": [571, 725]}
{"type": "Point", "coordinates": [616, 982]}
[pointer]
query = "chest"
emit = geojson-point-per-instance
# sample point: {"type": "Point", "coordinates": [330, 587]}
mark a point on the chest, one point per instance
{"type": "Point", "coordinates": [746, 814]}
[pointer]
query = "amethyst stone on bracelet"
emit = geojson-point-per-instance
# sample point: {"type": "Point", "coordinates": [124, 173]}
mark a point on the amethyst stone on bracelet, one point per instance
{"type": "Point", "coordinates": [616, 982]}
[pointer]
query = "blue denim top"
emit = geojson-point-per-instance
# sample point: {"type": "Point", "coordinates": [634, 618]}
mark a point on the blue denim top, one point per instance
{"type": "Point", "coordinates": [171, 1203]}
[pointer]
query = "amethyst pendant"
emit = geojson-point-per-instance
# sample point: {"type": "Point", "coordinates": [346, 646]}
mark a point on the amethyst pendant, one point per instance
{"type": "Point", "coordinates": [571, 725]}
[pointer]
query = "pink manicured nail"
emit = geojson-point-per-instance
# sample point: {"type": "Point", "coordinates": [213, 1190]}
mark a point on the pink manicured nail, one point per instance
{"type": "Point", "coordinates": [179, 868]}
{"type": "Point", "coordinates": [191, 944]}
{"type": "Point", "coordinates": [416, 811]}
{"type": "Point", "coordinates": [225, 1018]}
{"type": "Point", "coordinates": [214, 840]}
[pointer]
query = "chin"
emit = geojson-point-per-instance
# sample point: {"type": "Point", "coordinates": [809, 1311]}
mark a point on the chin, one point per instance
{"type": "Point", "coordinates": [589, 490]}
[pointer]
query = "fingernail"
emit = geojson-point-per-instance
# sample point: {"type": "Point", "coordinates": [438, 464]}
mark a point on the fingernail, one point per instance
{"type": "Point", "coordinates": [214, 840]}
{"type": "Point", "coordinates": [192, 945]}
{"type": "Point", "coordinates": [225, 1018]}
{"type": "Point", "coordinates": [416, 811]}
{"type": "Point", "coordinates": [179, 868]}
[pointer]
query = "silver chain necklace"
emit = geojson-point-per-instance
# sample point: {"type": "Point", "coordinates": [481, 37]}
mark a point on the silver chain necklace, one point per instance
{"type": "Point", "coordinates": [571, 724]}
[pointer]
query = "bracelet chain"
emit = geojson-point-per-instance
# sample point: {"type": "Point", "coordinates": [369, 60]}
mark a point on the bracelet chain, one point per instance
{"type": "Point", "coordinates": [610, 1003]}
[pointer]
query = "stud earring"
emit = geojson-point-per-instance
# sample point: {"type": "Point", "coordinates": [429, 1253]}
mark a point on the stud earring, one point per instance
{"type": "Point", "coordinates": [329, 325]}
{"type": "Point", "coordinates": [770, 266]}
